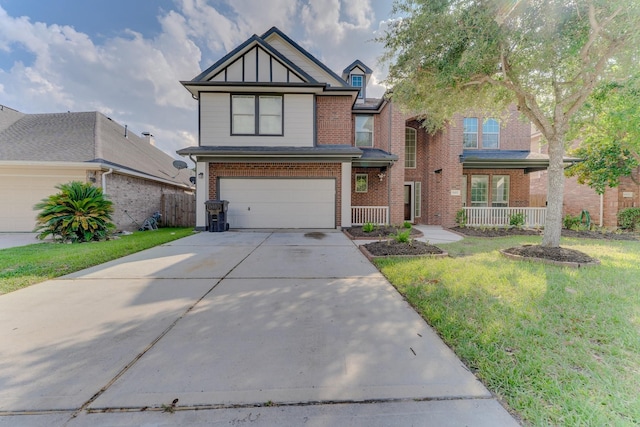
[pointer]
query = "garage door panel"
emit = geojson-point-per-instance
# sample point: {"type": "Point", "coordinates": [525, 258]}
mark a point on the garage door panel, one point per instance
{"type": "Point", "coordinates": [279, 203]}
{"type": "Point", "coordinates": [21, 190]}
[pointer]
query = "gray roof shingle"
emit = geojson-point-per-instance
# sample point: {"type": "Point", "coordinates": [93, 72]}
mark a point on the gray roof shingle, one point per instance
{"type": "Point", "coordinates": [85, 137]}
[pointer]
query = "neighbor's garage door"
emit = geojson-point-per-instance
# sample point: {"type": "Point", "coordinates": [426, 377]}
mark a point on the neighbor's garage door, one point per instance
{"type": "Point", "coordinates": [22, 188]}
{"type": "Point", "coordinates": [279, 203]}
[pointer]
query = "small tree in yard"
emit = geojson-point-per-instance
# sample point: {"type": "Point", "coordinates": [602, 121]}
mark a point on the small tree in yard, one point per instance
{"type": "Point", "coordinates": [78, 213]}
{"type": "Point", "coordinates": [609, 130]}
{"type": "Point", "coordinates": [546, 56]}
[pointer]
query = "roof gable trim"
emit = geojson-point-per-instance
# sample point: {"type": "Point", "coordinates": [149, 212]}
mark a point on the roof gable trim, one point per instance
{"type": "Point", "coordinates": [254, 61]}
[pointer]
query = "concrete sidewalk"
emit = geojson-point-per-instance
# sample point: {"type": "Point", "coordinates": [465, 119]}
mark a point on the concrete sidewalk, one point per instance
{"type": "Point", "coordinates": [283, 328]}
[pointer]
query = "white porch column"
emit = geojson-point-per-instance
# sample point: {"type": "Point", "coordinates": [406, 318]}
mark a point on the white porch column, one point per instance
{"type": "Point", "coordinates": [202, 194]}
{"type": "Point", "coordinates": [346, 195]}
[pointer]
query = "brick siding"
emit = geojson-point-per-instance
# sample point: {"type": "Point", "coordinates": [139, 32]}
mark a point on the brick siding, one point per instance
{"type": "Point", "coordinates": [333, 120]}
{"type": "Point", "coordinates": [134, 199]}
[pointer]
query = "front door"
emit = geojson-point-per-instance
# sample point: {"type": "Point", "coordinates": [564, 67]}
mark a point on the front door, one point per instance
{"type": "Point", "coordinates": [407, 203]}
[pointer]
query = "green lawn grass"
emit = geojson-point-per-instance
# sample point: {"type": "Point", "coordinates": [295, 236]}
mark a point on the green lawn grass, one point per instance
{"type": "Point", "coordinates": [560, 346]}
{"type": "Point", "coordinates": [26, 265]}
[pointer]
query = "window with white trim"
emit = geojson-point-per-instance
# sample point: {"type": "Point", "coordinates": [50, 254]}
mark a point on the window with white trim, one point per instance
{"type": "Point", "coordinates": [357, 80]}
{"type": "Point", "coordinates": [479, 190]}
{"type": "Point", "coordinates": [500, 191]}
{"type": "Point", "coordinates": [256, 114]}
{"type": "Point", "coordinates": [362, 183]}
{"type": "Point", "coordinates": [364, 131]}
{"type": "Point", "coordinates": [490, 134]}
{"type": "Point", "coordinates": [409, 148]}
{"type": "Point", "coordinates": [470, 132]}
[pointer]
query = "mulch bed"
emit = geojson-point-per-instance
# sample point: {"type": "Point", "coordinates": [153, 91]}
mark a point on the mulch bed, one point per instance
{"type": "Point", "coordinates": [380, 232]}
{"type": "Point", "coordinates": [503, 232]}
{"type": "Point", "coordinates": [394, 248]}
{"type": "Point", "coordinates": [558, 256]}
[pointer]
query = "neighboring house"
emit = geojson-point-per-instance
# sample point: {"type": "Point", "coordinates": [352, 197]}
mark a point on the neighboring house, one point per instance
{"type": "Point", "coordinates": [603, 209]}
{"type": "Point", "coordinates": [40, 151]}
{"type": "Point", "coordinates": [289, 143]}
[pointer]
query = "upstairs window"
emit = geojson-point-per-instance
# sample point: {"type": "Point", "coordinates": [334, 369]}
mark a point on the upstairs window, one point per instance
{"type": "Point", "coordinates": [256, 114]}
{"type": "Point", "coordinates": [357, 80]}
{"type": "Point", "coordinates": [409, 148]}
{"type": "Point", "coordinates": [490, 134]}
{"type": "Point", "coordinates": [364, 131]}
{"type": "Point", "coordinates": [470, 132]}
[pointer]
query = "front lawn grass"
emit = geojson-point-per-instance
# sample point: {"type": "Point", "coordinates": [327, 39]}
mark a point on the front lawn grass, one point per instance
{"type": "Point", "coordinates": [26, 265]}
{"type": "Point", "coordinates": [560, 346]}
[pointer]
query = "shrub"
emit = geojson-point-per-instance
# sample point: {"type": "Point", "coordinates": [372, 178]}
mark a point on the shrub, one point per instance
{"type": "Point", "coordinates": [461, 218]}
{"type": "Point", "coordinates": [516, 220]}
{"type": "Point", "coordinates": [629, 219]}
{"type": "Point", "coordinates": [406, 224]}
{"type": "Point", "coordinates": [78, 213]}
{"type": "Point", "coordinates": [571, 222]}
{"type": "Point", "coordinates": [402, 236]}
{"type": "Point", "coordinates": [368, 227]}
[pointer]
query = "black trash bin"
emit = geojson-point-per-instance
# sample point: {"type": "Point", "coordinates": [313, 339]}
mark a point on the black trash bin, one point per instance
{"type": "Point", "coordinates": [217, 215]}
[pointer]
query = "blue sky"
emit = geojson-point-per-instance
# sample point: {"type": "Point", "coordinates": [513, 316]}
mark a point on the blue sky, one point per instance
{"type": "Point", "coordinates": [125, 58]}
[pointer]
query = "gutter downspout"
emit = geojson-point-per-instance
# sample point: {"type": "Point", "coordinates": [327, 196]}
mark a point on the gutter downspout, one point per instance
{"type": "Point", "coordinates": [104, 180]}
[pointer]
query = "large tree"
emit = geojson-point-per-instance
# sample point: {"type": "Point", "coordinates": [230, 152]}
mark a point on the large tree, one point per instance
{"type": "Point", "coordinates": [546, 56]}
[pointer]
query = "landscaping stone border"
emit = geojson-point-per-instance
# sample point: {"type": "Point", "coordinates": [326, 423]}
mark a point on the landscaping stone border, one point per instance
{"type": "Point", "coordinates": [371, 257]}
{"type": "Point", "coordinates": [550, 261]}
{"type": "Point", "coordinates": [415, 235]}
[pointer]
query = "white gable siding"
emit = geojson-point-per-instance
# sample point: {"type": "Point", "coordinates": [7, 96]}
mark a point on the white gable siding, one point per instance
{"type": "Point", "coordinates": [264, 66]}
{"type": "Point", "coordinates": [218, 77]}
{"type": "Point", "coordinates": [257, 65]}
{"type": "Point", "coordinates": [302, 61]}
{"type": "Point", "coordinates": [250, 66]}
{"type": "Point", "coordinates": [215, 123]}
{"type": "Point", "coordinates": [234, 71]}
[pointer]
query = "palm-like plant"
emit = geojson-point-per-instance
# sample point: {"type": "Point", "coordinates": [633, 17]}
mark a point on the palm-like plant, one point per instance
{"type": "Point", "coordinates": [78, 213]}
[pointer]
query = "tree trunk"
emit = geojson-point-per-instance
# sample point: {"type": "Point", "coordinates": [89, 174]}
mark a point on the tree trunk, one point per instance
{"type": "Point", "coordinates": [555, 193]}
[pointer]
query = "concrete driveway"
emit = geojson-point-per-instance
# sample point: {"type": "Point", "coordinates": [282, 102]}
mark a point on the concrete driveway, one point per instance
{"type": "Point", "coordinates": [282, 328]}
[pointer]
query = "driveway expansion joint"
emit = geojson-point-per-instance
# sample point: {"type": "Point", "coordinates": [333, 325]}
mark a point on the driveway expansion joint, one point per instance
{"type": "Point", "coordinates": [270, 404]}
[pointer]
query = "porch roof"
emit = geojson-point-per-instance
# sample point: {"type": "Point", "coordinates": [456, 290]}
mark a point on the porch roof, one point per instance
{"type": "Point", "coordinates": [505, 159]}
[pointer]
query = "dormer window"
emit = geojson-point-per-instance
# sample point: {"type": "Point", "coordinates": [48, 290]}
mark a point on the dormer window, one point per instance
{"type": "Point", "coordinates": [357, 80]}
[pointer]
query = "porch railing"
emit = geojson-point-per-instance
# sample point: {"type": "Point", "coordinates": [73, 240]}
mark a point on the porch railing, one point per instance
{"type": "Point", "coordinates": [499, 217]}
{"type": "Point", "coordinates": [375, 214]}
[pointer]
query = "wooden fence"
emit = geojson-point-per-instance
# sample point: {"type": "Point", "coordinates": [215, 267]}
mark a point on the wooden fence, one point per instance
{"type": "Point", "coordinates": [178, 210]}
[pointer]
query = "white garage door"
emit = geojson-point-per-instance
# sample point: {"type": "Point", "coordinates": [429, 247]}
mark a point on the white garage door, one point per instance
{"type": "Point", "coordinates": [279, 203]}
{"type": "Point", "coordinates": [21, 189]}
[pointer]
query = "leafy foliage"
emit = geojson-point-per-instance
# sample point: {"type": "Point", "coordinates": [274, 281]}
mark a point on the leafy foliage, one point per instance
{"type": "Point", "coordinates": [461, 218]}
{"type": "Point", "coordinates": [78, 213]}
{"type": "Point", "coordinates": [406, 224]}
{"type": "Point", "coordinates": [403, 236]}
{"type": "Point", "coordinates": [629, 219]}
{"type": "Point", "coordinates": [516, 220]}
{"type": "Point", "coordinates": [368, 227]}
{"type": "Point", "coordinates": [609, 127]}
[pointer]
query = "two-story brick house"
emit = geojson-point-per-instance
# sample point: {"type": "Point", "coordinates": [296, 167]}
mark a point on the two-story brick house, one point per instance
{"type": "Point", "coordinates": [291, 144]}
